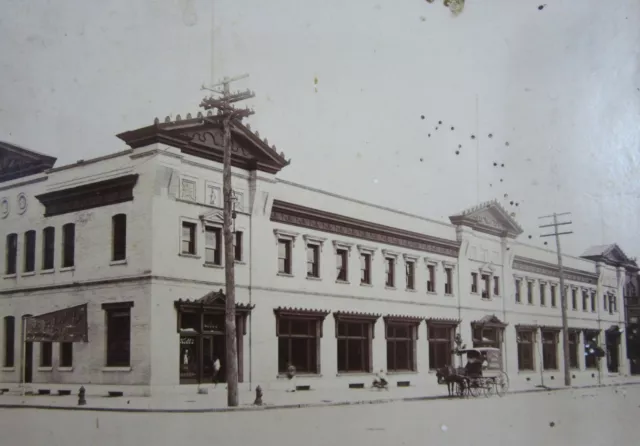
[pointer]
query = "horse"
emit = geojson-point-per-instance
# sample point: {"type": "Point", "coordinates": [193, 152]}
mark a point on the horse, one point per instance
{"type": "Point", "coordinates": [449, 375]}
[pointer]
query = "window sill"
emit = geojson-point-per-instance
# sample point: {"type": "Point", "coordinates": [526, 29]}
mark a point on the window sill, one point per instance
{"type": "Point", "coordinates": [313, 278]}
{"type": "Point", "coordinates": [450, 295]}
{"type": "Point", "coordinates": [366, 284]}
{"type": "Point", "coordinates": [189, 256]}
{"type": "Point", "coordinates": [116, 369]}
{"type": "Point", "coordinates": [343, 282]}
{"type": "Point", "coordinates": [402, 372]}
{"type": "Point", "coordinates": [432, 293]}
{"type": "Point", "coordinates": [8, 369]}
{"type": "Point", "coordinates": [48, 271]}
{"type": "Point", "coordinates": [411, 290]}
{"type": "Point", "coordinates": [355, 374]}
{"type": "Point", "coordinates": [67, 268]}
{"type": "Point", "coordinates": [239, 262]}
{"type": "Point", "coordinates": [392, 288]}
{"type": "Point", "coordinates": [118, 262]}
{"type": "Point", "coordinates": [65, 369]}
{"type": "Point", "coordinates": [299, 375]}
{"type": "Point", "coordinates": [45, 369]}
{"type": "Point", "coordinates": [28, 274]}
{"type": "Point", "coordinates": [10, 276]}
{"type": "Point", "coordinates": [527, 372]}
{"type": "Point", "coordinates": [212, 265]}
{"type": "Point", "coordinates": [285, 274]}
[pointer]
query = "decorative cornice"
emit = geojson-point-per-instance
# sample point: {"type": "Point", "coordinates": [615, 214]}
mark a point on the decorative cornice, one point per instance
{"type": "Point", "coordinates": [526, 327]}
{"type": "Point", "coordinates": [549, 269]}
{"type": "Point", "coordinates": [337, 244]}
{"type": "Point", "coordinates": [411, 258]}
{"type": "Point", "coordinates": [301, 312]}
{"type": "Point", "coordinates": [314, 239]}
{"type": "Point", "coordinates": [390, 253]}
{"type": "Point", "coordinates": [305, 217]}
{"type": "Point", "coordinates": [356, 315]}
{"type": "Point", "coordinates": [285, 235]}
{"type": "Point", "coordinates": [489, 321]}
{"type": "Point", "coordinates": [442, 321]}
{"type": "Point", "coordinates": [89, 196]}
{"type": "Point", "coordinates": [403, 318]}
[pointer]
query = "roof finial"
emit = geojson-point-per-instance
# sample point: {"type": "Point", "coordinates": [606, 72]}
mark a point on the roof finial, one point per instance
{"type": "Point", "coordinates": [167, 119]}
{"type": "Point", "coordinates": [266, 141]}
{"type": "Point", "coordinates": [258, 134]}
{"type": "Point", "coordinates": [209, 113]}
{"type": "Point", "coordinates": [200, 115]}
{"type": "Point", "coordinates": [188, 115]}
{"type": "Point", "coordinates": [156, 121]}
{"type": "Point", "coordinates": [178, 118]}
{"type": "Point", "coordinates": [248, 126]}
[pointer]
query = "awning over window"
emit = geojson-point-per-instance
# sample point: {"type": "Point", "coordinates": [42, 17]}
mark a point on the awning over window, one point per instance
{"type": "Point", "coordinates": [212, 301]}
{"type": "Point", "coordinates": [490, 321]}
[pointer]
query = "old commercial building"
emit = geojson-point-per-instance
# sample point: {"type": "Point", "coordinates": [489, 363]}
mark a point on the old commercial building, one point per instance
{"type": "Point", "coordinates": [338, 287]}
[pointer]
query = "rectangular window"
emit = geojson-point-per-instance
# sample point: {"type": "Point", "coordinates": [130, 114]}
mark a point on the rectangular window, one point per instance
{"type": "Point", "coordinates": [486, 286]}
{"type": "Point", "coordinates": [590, 342]}
{"type": "Point", "coordinates": [29, 251]}
{"type": "Point", "coordinates": [46, 354]}
{"type": "Point", "coordinates": [298, 344]}
{"type": "Point", "coordinates": [448, 285]}
{"type": "Point", "coordinates": [526, 339]}
{"type": "Point", "coordinates": [474, 282]}
{"type": "Point", "coordinates": [487, 337]}
{"type": "Point", "coordinates": [188, 238]}
{"type": "Point", "coordinates": [605, 303]}
{"type": "Point", "coordinates": [518, 291]}
{"type": "Point", "coordinates": [342, 262]}
{"type": "Point", "coordinates": [118, 321]}
{"type": "Point", "coordinates": [593, 301]}
{"type": "Point", "coordinates": [119, 237]}
{"type": "Point", "coordinates": [48, 247]}
{"type": "Point", "coordinates": [237, 246]}
{"type": "Point", "coordinates": [354, 346]}
{"type": "Point", "coordinates": [411, 275]}
{"type": "Point", "coordinates": [574, 342]}
{"type": "Point", "coordinates": [585, 300]}
{"type": "Point", "coordinates": [66, 354]}
{"type": "Point", "coordinates": [68, 245]}
{"type": "Point", "coordinates": [496, 285]}
{"type": "Point", "coordinates": [212, 245]}
{"type": "Point", "coordinates": [574, 298]}
{"type": "Point", "coordinates": [613, 304]}
{"type": "Point", "coordinates": [554, 296]}
{"type": "Point", "coordinates": [550, 350]}
{"type": "Point", "coordinates": [12, 254]}
{"type": "Point", "coordinates": [9, 341]}
{"type": "Point", "coordinates": [390, 266]}
{"type": "Point", "coordinates": [313, 261]}
{"type": "Point", "coordinates": [365, 268]}
{"type": "Point", "coordinates": [431, 281]}
{"type": "Point", "coordinates": [529, 292]}
{"type": "Point", "coordinates": [440, 345]}
{"type": "Point", "coordinates": [401, 347]}
{"type": "Point", "coordinates": [284, 256]}
{"type": "Point", "coordinates": [543, 294]}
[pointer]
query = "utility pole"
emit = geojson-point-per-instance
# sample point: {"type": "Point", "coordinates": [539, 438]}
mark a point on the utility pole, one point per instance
{"type": "Point", "coordinates": [224, 104]}
{"type": "Point", "coordinates": [563, 294]}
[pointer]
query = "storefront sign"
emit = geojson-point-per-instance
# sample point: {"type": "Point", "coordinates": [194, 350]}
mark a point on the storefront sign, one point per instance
{"type": "Point", "coordinates": [187, 341]}
{"type": "Point", "coordinates": [68, 325]}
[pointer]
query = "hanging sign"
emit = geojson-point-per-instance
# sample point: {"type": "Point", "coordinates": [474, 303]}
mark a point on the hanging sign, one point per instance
{"type": "Point", "coordinates": [67, 325]}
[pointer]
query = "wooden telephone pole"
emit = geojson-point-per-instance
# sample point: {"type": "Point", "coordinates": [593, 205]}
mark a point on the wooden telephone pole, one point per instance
{"type": "Point", "coordinates": [563, 294]}
{"type": "Point", "coordinates": [224, 104]}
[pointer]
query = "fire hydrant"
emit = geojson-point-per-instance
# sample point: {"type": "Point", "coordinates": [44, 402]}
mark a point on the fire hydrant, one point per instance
{"type": "Point", "coordinates": [81, 399]}
{"type": "Point", "coordinates": [258, 401]}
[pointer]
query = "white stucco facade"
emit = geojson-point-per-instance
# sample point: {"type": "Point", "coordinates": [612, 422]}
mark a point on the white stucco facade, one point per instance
{"type": "Point", "coordinates": [175, 185]}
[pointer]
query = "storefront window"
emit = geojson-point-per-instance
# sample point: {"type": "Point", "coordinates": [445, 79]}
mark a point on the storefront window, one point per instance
{"type": "Point", "coordinates": [188, 358]}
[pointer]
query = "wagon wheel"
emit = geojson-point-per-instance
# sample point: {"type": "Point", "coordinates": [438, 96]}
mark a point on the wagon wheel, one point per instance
{"type": "Point", "coordinates": [475, 387]}
{"type": "Point", "coordinates": [502, 384]}
{"type": "Point", "coordinates": [460, 388]}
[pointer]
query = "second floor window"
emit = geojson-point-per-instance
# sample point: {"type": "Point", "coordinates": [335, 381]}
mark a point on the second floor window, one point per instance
{"type": "Point", "coordinates": [48, 247]}
{"type": "Point", "coordinates": [237, 246]}
{"type": "Point", "coordinates": [543, 296]}
{"type": "Point", "coordinates": [29, 251]}
{"type": "Point", "coordinates": [213, 246]}
{"type": "Point", "coordinates": [554, 296]}
{"type": "Point", "coordinates": [284, 256]}
{"type": "Point", "coordinates": [431, 281]}
{"type": "Point", "coordinates": [342, 260]}
{"type": "Point", "coordinates": [68, 245]}
{"type": "Point", "coordinates": [518, 290]}
{"type": "Point", "coordinates": [474, 282]}
{"type": "Point", "coordinates": [365, 268]}
{"type": "Point", "coordinates": [585, 300]}
{"type": "Point", "coordinates": [486, 290]}
{"type": "Point", "coordinates": [574, 299]}
{"type": "Point", "coordinates": [448, 284]}
{"type": "Point", "coordinates": [188, 238]}
{"type": "Point", "coordinates": [390, 266]}
{"type": "Point", "coordinates": [12, 254]}
{"type": "Point", "coordinates": [530, 292]}
{"type": "Point", "coordinates": [313, 261]}
{"type": "Point", "coordinates": [496, 285]}
{"type": "Point", "coordinates": [411, 275]}
{"type": "Point", "coordinates": [119, 237]}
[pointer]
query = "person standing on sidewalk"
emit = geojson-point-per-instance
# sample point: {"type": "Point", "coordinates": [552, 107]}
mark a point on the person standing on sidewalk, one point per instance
{"type": "Point", "coordinates": [291, 374]}
{"type": "Point", "coordinates": [216, 370]}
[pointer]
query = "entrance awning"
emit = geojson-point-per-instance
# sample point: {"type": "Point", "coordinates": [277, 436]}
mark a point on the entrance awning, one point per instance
{"type": "Point", "coordinates": [212, 301]}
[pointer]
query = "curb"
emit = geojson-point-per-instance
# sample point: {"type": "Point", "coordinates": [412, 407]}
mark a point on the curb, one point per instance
{"type": "Point", "coordinates": [251, 408]}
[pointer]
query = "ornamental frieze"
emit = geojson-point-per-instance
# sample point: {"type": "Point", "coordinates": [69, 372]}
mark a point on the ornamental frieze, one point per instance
{"type": "Point", "coordinates": [380, 237]}
{"type": "Point", "coordinates": [572, 275]}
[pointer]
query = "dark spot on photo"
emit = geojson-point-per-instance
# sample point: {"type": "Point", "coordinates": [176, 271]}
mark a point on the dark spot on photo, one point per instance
{"type": "Point", "coordinates": [429, 135]}
{"type": "Point", "coordinates": [552, 424]}
{"type": "Point", "coordinates": [421, 116]}
{"type": "Point", "coordinates": [459, 146]}
{"type": "Point", "coordinates": [506, 143]}
{"type": "Point", "coordinates": [421, 159]}
{"type": "Point", "coordinates": [511, 203]}
{"type": "Point", "coordinates": [495, 164]}
{"type": "Point", "coordinates": [457, 152]}
{"type": "Point", "coordinates": [473, 136]}
{"type": "Point", "coordinates": [440, 122]}
{"type": "Point", "coordinates": [541, 7]}
{"type": "Point", "coordinates": [501, 165]}
{"type": "Point", "coordinates": [529, 236]}
{"type": "Point", "coordinates": [490, 135]}
{"type": "Point", "coordinates": [501, 180]}
{"type": "Point", "coordinates": [452, 128]}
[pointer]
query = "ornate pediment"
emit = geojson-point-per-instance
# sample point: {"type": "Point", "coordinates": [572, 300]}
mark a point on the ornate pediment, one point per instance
{"type": "Point", "coordinates": [490, 218]}
{"type": "Point", "coordinates": [17, 162]}
{"type": "Point", "coordinates": [203, 137]}
{"type": "Point", "coordinates": [611, 255]}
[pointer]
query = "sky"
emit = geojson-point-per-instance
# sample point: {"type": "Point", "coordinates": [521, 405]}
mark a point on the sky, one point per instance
{"type": "Point", "coordinates": [542, 105]}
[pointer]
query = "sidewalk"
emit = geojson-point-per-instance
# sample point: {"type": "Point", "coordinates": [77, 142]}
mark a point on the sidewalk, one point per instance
{"type": "Point", "coordinates": [217, 401]}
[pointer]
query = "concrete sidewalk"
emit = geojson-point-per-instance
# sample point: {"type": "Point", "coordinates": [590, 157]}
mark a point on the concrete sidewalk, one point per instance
{"type": "Point", "coordinates": [217, 400]}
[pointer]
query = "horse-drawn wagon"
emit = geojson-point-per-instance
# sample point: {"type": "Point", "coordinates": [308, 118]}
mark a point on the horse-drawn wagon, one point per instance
{"type": "Point", "coordinates": [483, 373]}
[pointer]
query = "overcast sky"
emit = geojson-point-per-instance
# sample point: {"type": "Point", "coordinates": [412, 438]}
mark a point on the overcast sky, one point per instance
{"type": "Point", "coordinates": [560, 85]}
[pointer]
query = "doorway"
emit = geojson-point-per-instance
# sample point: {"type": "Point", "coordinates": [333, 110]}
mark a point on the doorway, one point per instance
{"type": "Point", "coordinates": [612, 341]}
{"type": "Point", "coordinates": [28, 362]}
{"type": "Point", "coordinates": [213, 346]}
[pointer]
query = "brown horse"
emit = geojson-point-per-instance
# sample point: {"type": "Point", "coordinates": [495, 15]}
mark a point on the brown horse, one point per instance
{"type": "Point", "coordinates": [451, 377]}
